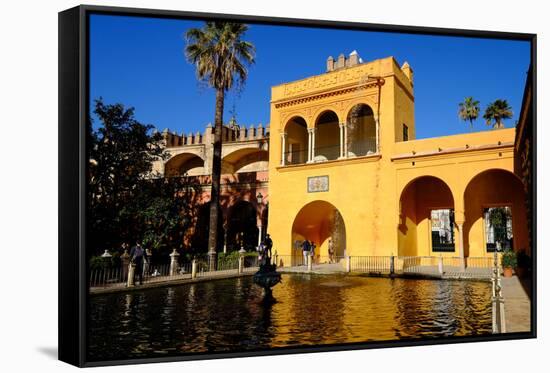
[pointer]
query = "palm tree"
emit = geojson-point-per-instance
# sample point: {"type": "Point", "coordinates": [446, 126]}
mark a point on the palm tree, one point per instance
{"type": "Point", "coordinates": [496, 112]}
{"type": "Point", "coordinates": [220, 57]}
{"type": "Point", "coordinates": [469, 110]}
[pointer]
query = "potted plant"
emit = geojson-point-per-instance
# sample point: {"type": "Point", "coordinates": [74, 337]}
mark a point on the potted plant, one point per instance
{"type": "Point", "coordinates": [524, 263]}
{"type": "Point", "coordinates": [509, 262]}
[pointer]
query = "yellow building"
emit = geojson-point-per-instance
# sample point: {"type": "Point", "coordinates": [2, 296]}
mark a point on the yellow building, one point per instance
{"type": "Point", "coordinates": [345, 165]}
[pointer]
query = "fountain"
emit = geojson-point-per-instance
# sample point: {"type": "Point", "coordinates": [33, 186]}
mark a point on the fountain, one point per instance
{"type": "Point", "coordinates": [267, 276]}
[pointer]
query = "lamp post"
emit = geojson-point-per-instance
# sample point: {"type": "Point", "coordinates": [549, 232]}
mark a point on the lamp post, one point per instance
{"type": "Point", "coordinates": [260, 199]}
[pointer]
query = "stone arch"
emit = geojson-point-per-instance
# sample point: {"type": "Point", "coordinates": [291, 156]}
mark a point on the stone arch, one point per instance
{"type": "Point", "coordinates": [296, 141]}
{"type": "Point", "coordinates": [318, 221]}
{"type": "Point", "coordinates": [327, 136]}
{"type": "Point", "coordinates": [362, 131]}
{"type": "Point", "coordinates": [419, 200]}
{"type": "Point", "coordinates": [184, 164]}
{"type": "Point", "coordinates": [488, 189]}
{"type": "Point", "coordinates": [245, 160]}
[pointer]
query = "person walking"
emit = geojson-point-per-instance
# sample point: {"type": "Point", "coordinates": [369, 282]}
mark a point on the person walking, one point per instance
{"type": "Point", "coordinates": [137, 257]}
{"type": "Point", "coordinates": [312, 252]}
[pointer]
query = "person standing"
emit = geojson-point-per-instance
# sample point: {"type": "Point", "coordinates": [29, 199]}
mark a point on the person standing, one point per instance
{"type": "Point", "coordinates": [137, 257]}
{"type": "Point", "coordinates": [312, 252]}
{"type": "Point", "coordinates": [330, 251]}
{"type": "Point", "coordinates": [305, 250]}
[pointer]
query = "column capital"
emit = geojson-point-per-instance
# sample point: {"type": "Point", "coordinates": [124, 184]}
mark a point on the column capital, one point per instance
{"type": "Point", "coordinates": [311, 129]}
{"type": "Point", "coordinates": [283, 133]}
{"type": "Point", "coordinates": [342, 124]}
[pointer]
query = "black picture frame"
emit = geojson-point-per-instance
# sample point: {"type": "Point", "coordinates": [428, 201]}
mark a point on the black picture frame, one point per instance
{"type": "Point", "coordinates": [73, 111]}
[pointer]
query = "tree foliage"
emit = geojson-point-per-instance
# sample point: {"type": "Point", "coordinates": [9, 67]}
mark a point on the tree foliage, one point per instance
{"type": "Point", "coordinates": [496, 113]}
{"type": "Point", "coordinates": [127, 200]}
{"type": "Point", "coordinates": [468, 110]}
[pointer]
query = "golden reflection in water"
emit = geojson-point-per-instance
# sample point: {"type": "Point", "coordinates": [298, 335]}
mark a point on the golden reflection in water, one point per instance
{"type": "Point", "coordinates": [229, 315]}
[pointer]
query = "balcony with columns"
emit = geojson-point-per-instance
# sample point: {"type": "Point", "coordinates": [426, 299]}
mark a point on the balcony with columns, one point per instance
{"type": "Point", "coordinates": [330, 139]}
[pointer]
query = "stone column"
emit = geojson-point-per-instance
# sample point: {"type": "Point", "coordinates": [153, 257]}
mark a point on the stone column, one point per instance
{"type": "Point", "coordinates": [309, 263]}
{"type": "Point", "coordinates": [345, 140]}
{"type": "Point", "coordinates": [131, 271]}
{"type": "Point", "coordinates": [125, 259]}
{"type": "Point", "coordinates": [313, 144]}
{"type": "Point", "coordinates": [308, 145]}
{"type": "Point", "coordinates": [283, 148]}
{"type": "Point", "coordinates": [377, 121]}
{"type": "Point", "coordinates": [259, 235]}
{"type": "Point", "coordinates": [461, 246]}
{"type": "Point", "coordinates": [392, 265]}
{"type": "Point", "coordinates": [348, 264]}
{"type": "Point", "coordinates": [174, 263]}
{"type": "Point", "coordinates": [194, 268]}
{"type": "Point", "coordinates": [241, 261]}
{"type": "Point", "coordinates": [440, 265]}
{"type": "Point", "coordinates": [342, 140]}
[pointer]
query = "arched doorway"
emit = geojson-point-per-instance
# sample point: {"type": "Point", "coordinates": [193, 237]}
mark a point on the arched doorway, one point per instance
{"type": "Point", "coordinates": [295, 146]}
{"type": "Point", "coordinates": [426, 218]}
{"type": "Point", "coordinates": [361, 128]}
{"type": "Point", "coordinates": [485, 194]}
{"type": "Point", "coordinates": [242, 227]}
{"type": "Point", "coordinates": [318, 221]}
{"type": "Point", "coordinates": [327, 137]}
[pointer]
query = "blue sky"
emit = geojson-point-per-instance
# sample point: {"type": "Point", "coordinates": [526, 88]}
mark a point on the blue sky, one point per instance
{"type": "Point", "coordinates": [140, 62]}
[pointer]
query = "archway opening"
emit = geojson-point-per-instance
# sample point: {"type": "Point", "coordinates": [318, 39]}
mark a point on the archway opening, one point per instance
{"type": "Point", "coordinates": [361, 126]}
{"type": "Point", "coordinates": [327, 137]}
{"type": "Point", "coordinates": [185, 164]}
{"type": "Point", "coordinates": [245, 160]}
{"type": "Point", "coordinates": [318, 222]}
{"type": "Point", "coordinates": [490, 192]}
{"type": "Point", "coordinates": [296, 148]}
{"type": "Point", "coordinates": [200, 230]}
{"type": "Point", "coordinates": [426, 218]}
{"type": "Point", "coordinates": [242, 230]}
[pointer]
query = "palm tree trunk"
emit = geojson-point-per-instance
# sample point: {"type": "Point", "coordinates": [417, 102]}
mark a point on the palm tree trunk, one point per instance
{"type": "Point", "coordinates": [216, 176]}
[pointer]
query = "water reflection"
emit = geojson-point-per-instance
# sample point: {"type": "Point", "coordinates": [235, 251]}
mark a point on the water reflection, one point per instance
{"type": "Point", "coordinates": [228, 315]}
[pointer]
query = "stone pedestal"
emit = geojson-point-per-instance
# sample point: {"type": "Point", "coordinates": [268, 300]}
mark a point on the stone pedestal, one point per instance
{"type": "Point", "coordinates": [392, 265]}
{"type": "Point", "coordinates": [194, 268]}
{"type": "Point", "coordinates": [440, 266]}
{"type": "Point", "coordinates": [174, 263]}
{"type": "Point", "coordinates": [348, 264]}
{"type": "Point", "coordinates": [309, 263]}
{"type": "Point", "coordinates": [241, 264]}
{"type": "Point", "coordinates": [125, 261]}
{"type": "Point", "coordinates": [131, 271]}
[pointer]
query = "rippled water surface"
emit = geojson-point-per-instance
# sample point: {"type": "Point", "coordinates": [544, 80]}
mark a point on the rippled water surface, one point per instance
{"type": "Point", "coordinates": [228, 315]}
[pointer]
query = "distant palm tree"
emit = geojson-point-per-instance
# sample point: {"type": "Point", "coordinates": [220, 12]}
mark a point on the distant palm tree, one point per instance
{"type": "Point", "coordinates": [469, 110]}
{"type": "Point", "coordinates": [496, 112]}
{"type": "Point", "coordinates": [220, 57]}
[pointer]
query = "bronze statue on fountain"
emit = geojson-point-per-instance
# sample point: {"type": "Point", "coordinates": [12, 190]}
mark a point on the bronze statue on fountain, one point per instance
{"type": "Point", "coordinates": [267, 276]}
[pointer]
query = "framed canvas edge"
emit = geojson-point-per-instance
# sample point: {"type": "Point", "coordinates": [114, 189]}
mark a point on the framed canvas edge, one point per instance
{"type": "Point", "coordinates": [75, 288]}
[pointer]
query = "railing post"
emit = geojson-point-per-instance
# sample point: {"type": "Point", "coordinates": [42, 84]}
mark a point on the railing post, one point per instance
{"type": "Point", "coordinates": [125, 260]}
{"type": "Point", "coordinates": [174, 263]}
{"type": "Point", "coordinates": [276, 259]}
{"type": "Point", "coordinates": [241, 263]}
{"type": "Point", "coordinates": [440, 265]}
{"type": "Point", "coordinates": [131, 271]}
{"type": "Point", "coordinates": [392, 265]}
{"type": "Point", "coordinates": [348, 264]}
{"type": "Point", "coordinates": [194, 268]}
{"type": "Point", "coordinates": [309, 263]}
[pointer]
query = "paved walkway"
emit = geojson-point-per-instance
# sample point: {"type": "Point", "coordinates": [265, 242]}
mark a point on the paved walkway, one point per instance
{"type": "Point", "coordinates": [517, 304]}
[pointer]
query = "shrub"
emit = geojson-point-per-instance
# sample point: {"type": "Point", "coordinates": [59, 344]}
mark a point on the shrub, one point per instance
{"type": "Point", "coordinates": [509, 259]}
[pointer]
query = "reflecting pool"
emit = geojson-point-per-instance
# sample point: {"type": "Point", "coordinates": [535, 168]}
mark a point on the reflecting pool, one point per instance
{"type": "Point", "coordinates": [228, 315]}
